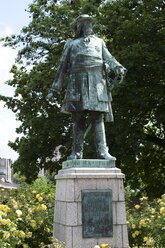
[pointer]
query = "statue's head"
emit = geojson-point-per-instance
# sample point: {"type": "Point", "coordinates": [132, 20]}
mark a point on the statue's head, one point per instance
{"type": "Point", "coordinates": [83, 25]}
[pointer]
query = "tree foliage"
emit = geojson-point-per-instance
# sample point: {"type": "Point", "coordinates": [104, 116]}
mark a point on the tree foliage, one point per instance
{"type": "Point", "coordinates": [134, 33]}
{"type": "Point", "coordinates": [43, 126]}
{"type": "Point", "coordinates": [137, 30]}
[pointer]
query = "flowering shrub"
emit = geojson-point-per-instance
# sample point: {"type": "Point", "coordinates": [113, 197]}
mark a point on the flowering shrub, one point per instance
{"type": "Point", "coordinates": [146, 220]}
{"type": "Point", "coordinates": [26, 215]}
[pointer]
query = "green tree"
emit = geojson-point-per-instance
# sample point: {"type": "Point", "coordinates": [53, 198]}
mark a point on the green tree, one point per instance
{"type": "Point", "coordinates": [43, 126]}
{"type": "Point", "coordinates": [134, 33]}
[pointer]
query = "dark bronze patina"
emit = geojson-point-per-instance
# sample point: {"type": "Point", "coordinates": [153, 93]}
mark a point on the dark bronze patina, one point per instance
{"type": "Point", "coordinates": [97, 213]}
{"type": "Point", "coordinates": [85, 59]}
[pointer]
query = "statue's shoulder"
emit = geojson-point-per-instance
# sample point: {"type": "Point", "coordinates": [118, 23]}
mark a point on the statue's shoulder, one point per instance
{"type": "Point", "coordinates": [97, 40]}
{"type": "Point", "coordinates": [68, 43]}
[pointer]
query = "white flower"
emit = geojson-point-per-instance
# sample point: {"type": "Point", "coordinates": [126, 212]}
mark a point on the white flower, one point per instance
{"type": "Point", "coordinates": [18, 212]}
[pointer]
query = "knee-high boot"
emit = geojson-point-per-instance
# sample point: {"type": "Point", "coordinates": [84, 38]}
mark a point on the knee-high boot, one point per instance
{"type": "Point", "coordinates": [78, 128]}
{"type": "Point", "coordinates": [100, 137]}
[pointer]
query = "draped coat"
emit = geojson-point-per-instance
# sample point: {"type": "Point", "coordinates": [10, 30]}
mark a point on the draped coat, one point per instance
{"type": "Point", "coordinates": [84, 60]}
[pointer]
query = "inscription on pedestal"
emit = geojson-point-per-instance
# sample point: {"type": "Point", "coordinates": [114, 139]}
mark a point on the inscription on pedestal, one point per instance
{"type": "Point", "coordinates": [97, 213]}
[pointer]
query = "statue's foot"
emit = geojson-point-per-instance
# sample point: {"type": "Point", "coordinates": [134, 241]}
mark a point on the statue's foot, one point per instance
{"type": "Point", "coordinates": [103, 153]}
{"type": "Point", "coordinates": [75, 155]}
{"type": "Point", "coordinates": [106, 156]}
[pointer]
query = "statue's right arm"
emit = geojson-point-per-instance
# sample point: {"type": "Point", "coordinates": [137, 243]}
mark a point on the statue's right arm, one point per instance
{"type": "Point", "coordinates": [61, 70]}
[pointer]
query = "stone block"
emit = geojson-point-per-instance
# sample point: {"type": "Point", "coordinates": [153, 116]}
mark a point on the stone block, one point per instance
{"type": "Point", "coordinates": [109, 184]}
{"type": "Point", "coordinates": [114, 207]}
{"type": "Point", "coordinates": [117, 239]}
{"type": "Point", "coordinates": [79, 214]}
{"type": "Point", "coordinates": [70, 190]}
{"type": "Point", "coordinates": [121, 213]}
{"type": "Point", "coordinates": [63, 209]}
{"type": "Point", "coordinates": [125, 236]}
{"type": "Point", "coordinates": [60, 190]}
{"type": "Point", "coordinates": [77, 236]}
{"type": "Point", "coordinates": [57, 212]}
{"type": "Point", "coordinates": [121, 190]}
{"type": "Point", "coordinates": [69, 236]}
{"type": "Point", "coordinates": [82, 184]}
{"type": "Point", "coordinates": [59, 232]}
{"type": "Point", "coordinates": [71, 213]}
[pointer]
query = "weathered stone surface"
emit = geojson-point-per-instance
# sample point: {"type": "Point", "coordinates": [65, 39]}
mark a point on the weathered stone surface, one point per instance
{"type": "Point", "coordinates": [121, 213]}
{"type": "Point", "coordinates": [69, 236]}
{"type": "Point", "coordinates": [79, 214]}
{"type": "Point", "coordinates": [59, 232]}
{"type": "Point", "coordinates": [57, 212]}
{"type": "Point", "coordinates": [114, 213]}
{"type": "Point", "coordinates": [70, 190]}
{"type": "Point", "coordinates": [83, 184]}
{"type": "Point", "coordinates": [63, 212]}
{"type": "Point", "coordinates": [121, 190]}
{"type": "Point", "coordinates": [61, 190]}
{"type": "Point", "coordinates": [71, 213]}
{"type": "Point", "coordinates": [118, 237]}
{"type": "Point", "coordinates": [74, 173]}
{"type": "Point", "coordinates": [109, 184]}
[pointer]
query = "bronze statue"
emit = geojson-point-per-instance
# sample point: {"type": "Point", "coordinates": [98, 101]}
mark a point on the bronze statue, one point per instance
{"type": "Point", "coordinates": [84, 59]}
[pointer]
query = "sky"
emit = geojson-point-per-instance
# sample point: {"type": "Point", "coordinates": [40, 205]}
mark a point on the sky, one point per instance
{"type": "Point", "coordinates": [13, 18]}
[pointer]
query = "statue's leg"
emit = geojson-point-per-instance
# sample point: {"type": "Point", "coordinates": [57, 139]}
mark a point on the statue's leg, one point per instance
{"type": "Point", "coordinates": [78, 119]}
{"type": "Point", "coordinates": [99, 134]}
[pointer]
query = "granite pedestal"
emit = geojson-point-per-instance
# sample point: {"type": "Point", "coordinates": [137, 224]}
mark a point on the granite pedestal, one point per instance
{"type": "Point", "coordinates": [76, 177]}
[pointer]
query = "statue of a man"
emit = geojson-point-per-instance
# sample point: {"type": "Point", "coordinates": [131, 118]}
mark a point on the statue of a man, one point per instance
{"type": "Point", "coordinates": [84, 60]}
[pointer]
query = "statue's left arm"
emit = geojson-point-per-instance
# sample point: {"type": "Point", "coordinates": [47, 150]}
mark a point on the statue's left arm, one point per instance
{"type": "Point", "coordinates": [111, 62]}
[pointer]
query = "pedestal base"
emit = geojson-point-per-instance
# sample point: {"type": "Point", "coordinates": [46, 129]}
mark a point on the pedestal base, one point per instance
{"type": "Point", "coordinates": [68, 204]}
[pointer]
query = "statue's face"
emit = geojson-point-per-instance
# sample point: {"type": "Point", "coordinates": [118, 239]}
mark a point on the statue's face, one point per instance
{"type": "Point", "coordinates": [85, 28]}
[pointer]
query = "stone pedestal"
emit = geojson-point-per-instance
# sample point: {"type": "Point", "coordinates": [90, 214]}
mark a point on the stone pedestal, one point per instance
{"type": "Point", "coordinates": [75, 177]}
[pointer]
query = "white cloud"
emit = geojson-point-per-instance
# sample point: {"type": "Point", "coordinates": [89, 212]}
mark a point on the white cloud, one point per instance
{"type": "Point", "coordinates": [8, 123]}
